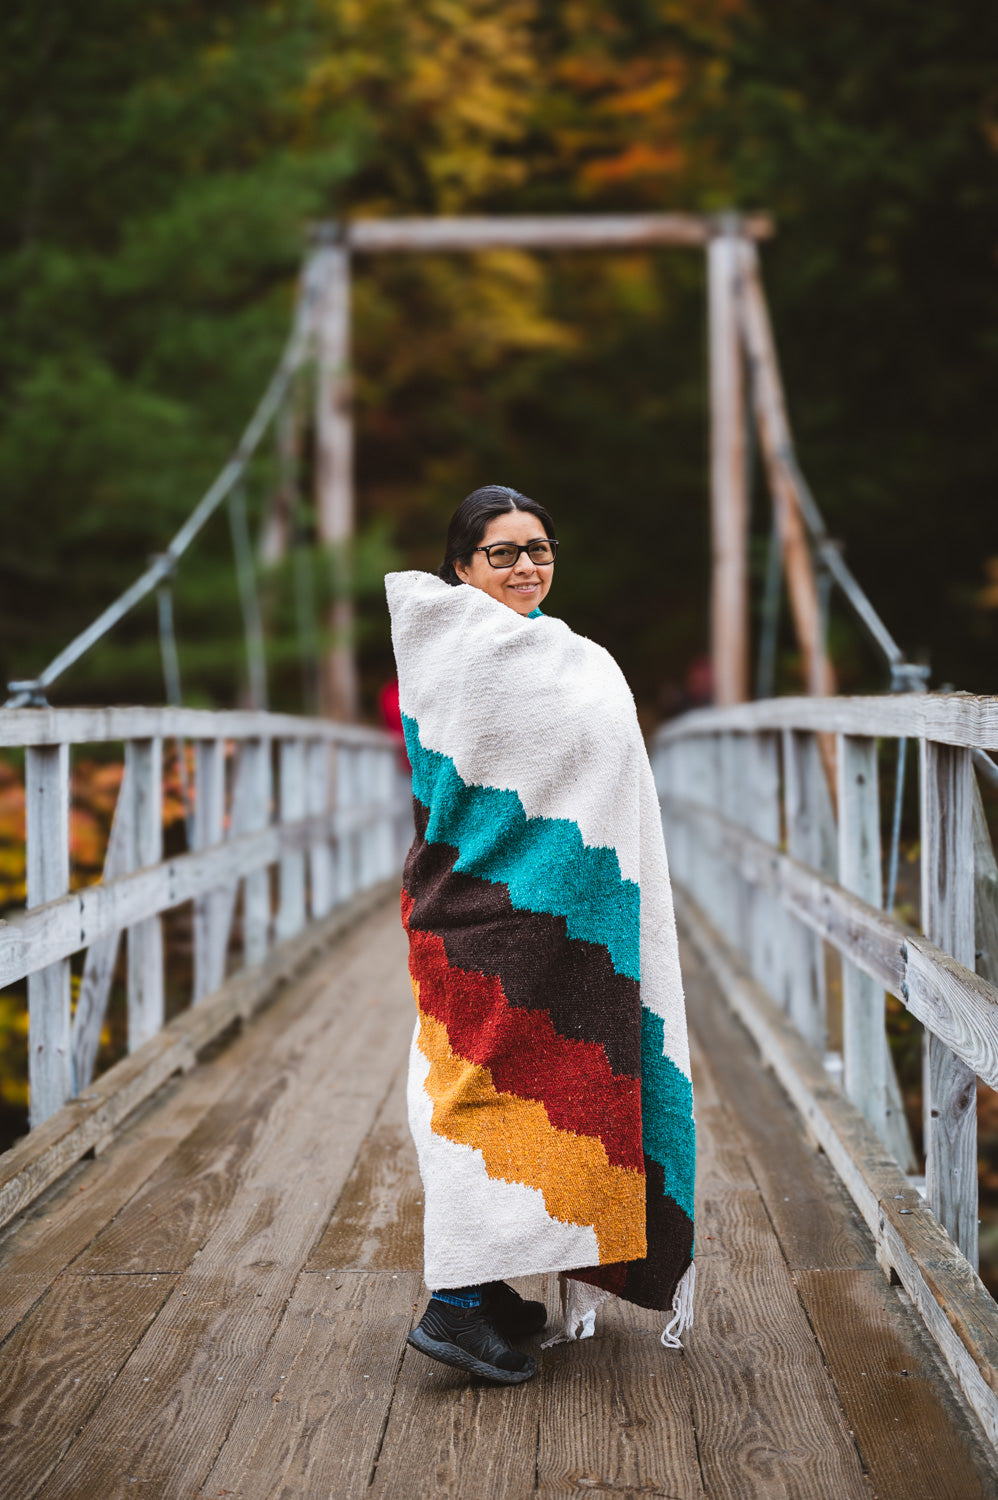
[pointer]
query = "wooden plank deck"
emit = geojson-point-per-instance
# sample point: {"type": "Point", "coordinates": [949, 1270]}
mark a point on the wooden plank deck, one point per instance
{"type": "Point", "coordinates": [218, 1304]}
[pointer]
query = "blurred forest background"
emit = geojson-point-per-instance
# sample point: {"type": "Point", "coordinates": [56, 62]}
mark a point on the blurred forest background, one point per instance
{"type": "Point", "coordinates": [161, 163]}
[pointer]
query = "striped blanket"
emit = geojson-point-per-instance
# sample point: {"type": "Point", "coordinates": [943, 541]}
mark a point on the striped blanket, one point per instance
{"type": "Point", "coordinates": [549, 1088]}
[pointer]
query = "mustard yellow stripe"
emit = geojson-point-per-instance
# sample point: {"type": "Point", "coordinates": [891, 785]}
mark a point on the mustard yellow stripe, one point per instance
{"type": "Point", "coordinates": [519, 1144]}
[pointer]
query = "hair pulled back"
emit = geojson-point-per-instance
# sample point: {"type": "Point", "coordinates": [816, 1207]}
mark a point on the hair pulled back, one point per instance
{"type": "Point", "coordinates": [469, 522]}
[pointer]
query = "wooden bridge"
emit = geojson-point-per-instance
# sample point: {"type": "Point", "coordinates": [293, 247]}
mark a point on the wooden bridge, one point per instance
{"type": "Point", "coordinates": [210, 1251]}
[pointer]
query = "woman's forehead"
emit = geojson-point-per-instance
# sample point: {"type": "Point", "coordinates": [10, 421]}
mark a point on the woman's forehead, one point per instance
{"type": "Point", "coordinates": [514, 526]}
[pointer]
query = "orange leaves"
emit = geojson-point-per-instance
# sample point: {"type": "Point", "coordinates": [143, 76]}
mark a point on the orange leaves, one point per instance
{"type": "Point", "coordinates": [637, 160]}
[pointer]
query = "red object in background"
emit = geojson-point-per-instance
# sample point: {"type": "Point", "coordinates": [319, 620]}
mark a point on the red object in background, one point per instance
{"type": "Point", "coordinates": [391, 718]}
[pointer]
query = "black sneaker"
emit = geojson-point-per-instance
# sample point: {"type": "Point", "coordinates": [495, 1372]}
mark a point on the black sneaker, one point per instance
{"type": "Point", "coordinates": [466, 1338]}
{"type": "Point", "coordinates": [513, 1316]}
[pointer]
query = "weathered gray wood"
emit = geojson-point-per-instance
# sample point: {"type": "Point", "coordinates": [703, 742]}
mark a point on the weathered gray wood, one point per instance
{"type": "Point", "coordinates": [958, 1311]}
{"type": "Point", "coordinates": [334, 503]}
{"type": "Point", "coordinates": [255, 776]}
{"type": "Point", "coordinates": [950, 719]}
{"type": "Point", "coordinates": [767, 925]}
{"type": "Point", "coordinates": [864, 1039]}
{"type": "Point", "coordinates": [985, 894]}
{"type": "Point", "coordinates": [210, 936]}
{"type": "Point", "coordinates": [949, 1087]}
{"type": "Point", "coordinates": [46, 790]}
{"type": "Point", "coordinates": [544, 231]}
{"type": "Point", "coordinates": [291, 794]}
{"type": "Point", "coordinates": [956, 1004]}
{"type": "Point", "coordinates": [37, 938]}
{"type": "Point", "coordinates": [102, 955]}
{"type": "Point", "coordinates": [239, 1206]}
{"type": "Point", "coordinates": [31, 1166]}
{"type": "Point", "coordinates": [144, 783]}
{"type": "Point", "coordinates": [384, 798]}
{"type": "Point", "coordinates": [804, 783]}
{"type": "Point", "coordinates": [911, 1440]}
{"type": "Point", "coordinates": [318, 800]}
{"type": "Point", "coordinates": [346, 800]}
{"type": "Point", "coordinates": [91, 726]}
{"type": "Point", "coordinates": [728, 478]}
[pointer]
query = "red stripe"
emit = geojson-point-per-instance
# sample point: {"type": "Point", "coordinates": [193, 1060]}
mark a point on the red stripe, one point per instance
{"type": "Point", "coordinates": [523, 1052]}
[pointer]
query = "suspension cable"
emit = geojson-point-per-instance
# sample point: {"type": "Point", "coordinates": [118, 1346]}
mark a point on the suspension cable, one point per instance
{"type": "Point", "coordinates": [32, 693]}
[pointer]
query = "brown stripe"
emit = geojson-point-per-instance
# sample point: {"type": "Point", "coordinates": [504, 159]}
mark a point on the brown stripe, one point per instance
{"type": "Point", "coordinates": [539, 966]}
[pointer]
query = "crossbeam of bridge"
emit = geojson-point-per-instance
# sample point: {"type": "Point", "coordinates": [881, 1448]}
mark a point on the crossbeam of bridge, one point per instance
{"type": "Point", "coordinates": [218, 1303]}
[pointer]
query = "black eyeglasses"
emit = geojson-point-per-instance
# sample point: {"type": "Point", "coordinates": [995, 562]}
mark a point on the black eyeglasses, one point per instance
{"type": "Point", "coordinates": [506, 554]}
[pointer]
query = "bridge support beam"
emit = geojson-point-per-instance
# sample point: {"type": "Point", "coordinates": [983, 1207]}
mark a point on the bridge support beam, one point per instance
{"type": "Point", "coordinates": [729, 609]}
{"type": "Point", "coordinates": [334, 478]}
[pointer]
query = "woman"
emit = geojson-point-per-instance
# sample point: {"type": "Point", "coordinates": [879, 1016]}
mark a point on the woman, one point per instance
{"type": "Point", "coordinates": [549, 1093]}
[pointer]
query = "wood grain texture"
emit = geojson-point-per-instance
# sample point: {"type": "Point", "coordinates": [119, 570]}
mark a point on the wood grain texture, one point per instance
{"type": "Point", "coordinates": [864, 1038]}
{"type": "Point", "coordinates": [277, 1175]}
{"type": "Point", "coordinates": [913, 1443]}
{"type": "Point", "coordinates": [378, 1223]}
{"type": "Point", "coordinates": [960, 1314]}
{"type": "Point", "coordinates": [46, 801]}
{"type": "Point", "coordinates": [616, 1414]}
{"type": "Point", "coordinates": [740, 1106]}
{"type": "Point", "coordinates": [767, 1416]}
{"type": "Point", "coordinates": [59, 1364]}
{"type": "Point", "coordinates": [32, 1165]}
{"type": "Point", "coordinates": [949, 1108]}
{"type": "Point", "coordinates": [311, 1421]}
{"type": "Point", "coordinates": [949, 718]}
{"type": "Point", "coordinates": [454, 1439]}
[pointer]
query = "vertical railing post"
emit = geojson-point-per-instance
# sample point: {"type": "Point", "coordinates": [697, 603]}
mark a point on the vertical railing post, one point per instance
{"type": "Point", "coordinates": [864, 1038]}
{"type": "Point", "coordinates": [46, 788]}
{"type": "Point", "coordinates": [384, 768]}
{"type": "Point", "coordinates": [143, 782]}
{"type": "Point", "coordinates": [766, 929]}
{"type": "Point", "coordinates": [291, 794]}
{"type": "Point", "coordinates": [256, 774]}
{"type": "Point", "coordinates": [803, 782]}
{"type": "Point", "coordinates": [949, 1086]}
{"type": "Point", "coordinates": [318, 799]}
{"type": "Point", "coordinates": [346, 883]}
{"type": "Point", "coordinates": [209, 819]}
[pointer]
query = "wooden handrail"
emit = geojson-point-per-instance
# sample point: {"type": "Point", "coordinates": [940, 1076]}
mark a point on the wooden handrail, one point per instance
{"type": "Point", "coordinates": [950, 718]}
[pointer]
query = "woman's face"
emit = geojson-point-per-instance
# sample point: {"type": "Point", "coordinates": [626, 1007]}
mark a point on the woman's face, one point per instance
{"type": "Point", "coordinates": [521, 586]}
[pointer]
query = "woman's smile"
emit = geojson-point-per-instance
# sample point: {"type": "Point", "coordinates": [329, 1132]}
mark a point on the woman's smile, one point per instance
{"type": "Point", "coordinates": [524, 584]}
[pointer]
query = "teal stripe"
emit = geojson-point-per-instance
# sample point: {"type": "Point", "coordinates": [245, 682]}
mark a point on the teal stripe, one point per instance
{"type": "Point", "coordinates": [667, 1131]}
{"type": "Point", "coordinates": [543, 862]}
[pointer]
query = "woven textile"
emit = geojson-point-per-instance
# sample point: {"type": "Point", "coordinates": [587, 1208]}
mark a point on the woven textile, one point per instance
{"type": "Point", "coordinates": [549, 1087]}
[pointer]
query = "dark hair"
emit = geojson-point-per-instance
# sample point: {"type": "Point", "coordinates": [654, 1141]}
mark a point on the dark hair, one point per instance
{"type": "Point", "coordinates": [469, 522]}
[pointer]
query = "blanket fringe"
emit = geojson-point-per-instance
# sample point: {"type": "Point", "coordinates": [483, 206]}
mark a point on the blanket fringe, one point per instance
{"type": "Point", "coordinates": [682, 1309]}
{"type": "Point", "coordinates": [579, 1303]}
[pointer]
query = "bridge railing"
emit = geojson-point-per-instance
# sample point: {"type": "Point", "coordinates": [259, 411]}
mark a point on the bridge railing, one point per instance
{"type": "Point", "coordinates": [289, 821]}
{"type": "Point", "coordinates": [775, 831]}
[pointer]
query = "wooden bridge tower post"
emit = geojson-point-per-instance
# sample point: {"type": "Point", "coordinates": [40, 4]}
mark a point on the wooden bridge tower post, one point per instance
{"type": "Point", "coordinates": [729, 607]}
{"type": "Point", "coordinates": [334, 471]}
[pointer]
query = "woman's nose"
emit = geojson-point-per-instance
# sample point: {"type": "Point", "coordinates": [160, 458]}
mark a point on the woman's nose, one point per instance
{"type": "Point", "coordinates": [523, 564]}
